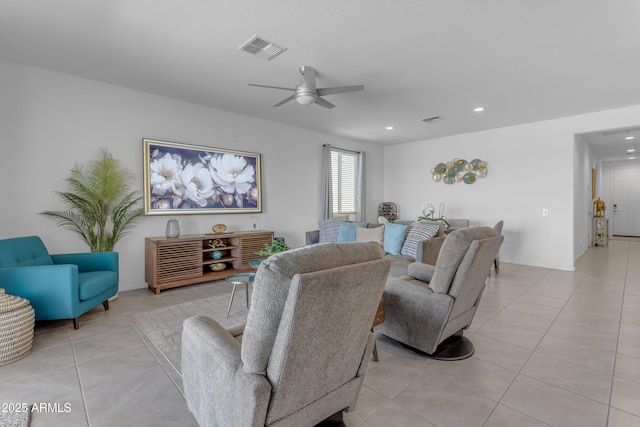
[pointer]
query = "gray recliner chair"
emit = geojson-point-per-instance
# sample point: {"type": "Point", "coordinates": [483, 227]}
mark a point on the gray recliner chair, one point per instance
{"type": "Point", "coordinates": [428, 310]}
{"type": "Point", "coordinates": [305, 347]}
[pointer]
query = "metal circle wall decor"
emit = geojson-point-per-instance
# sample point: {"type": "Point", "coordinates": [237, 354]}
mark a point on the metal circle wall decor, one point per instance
{"type": "Point", "coordinates": [457, 170]}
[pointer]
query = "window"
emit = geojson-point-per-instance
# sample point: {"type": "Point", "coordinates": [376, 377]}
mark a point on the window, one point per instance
{"type": "Point", "coordinates": [341, 185]}
{"type": "Point", "coordinates": [344, 176]}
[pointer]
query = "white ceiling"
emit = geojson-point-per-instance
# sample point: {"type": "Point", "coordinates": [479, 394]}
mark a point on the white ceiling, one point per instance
{"type": "Point", "coordinates": [524, 61]}
{"type": "Point", "coordinates": [615, 144]}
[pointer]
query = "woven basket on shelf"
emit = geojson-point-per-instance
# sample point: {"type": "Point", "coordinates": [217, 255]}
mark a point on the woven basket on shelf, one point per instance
{"type": "Point", "coordinates": [16, 328]}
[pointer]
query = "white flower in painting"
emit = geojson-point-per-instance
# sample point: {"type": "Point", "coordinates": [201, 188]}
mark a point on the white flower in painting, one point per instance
{"type": "Point", "coordinates": [164, 174]}
{"type": "Point", "coordinates": [196, 184]}
{"type": "Point", "coordinates": [232, 173]}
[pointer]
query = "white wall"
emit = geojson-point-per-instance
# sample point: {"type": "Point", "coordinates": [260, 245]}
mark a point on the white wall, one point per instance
{"type": "Point", "coordinates": [583, 202]}
{"type": "Point", "coordinates": [531, 167]}
{"type": "Point", "coordinates": [51, 121]}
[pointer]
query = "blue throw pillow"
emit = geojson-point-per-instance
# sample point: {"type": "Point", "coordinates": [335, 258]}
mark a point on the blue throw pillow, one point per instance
{"type": "Point", "coordinates": [347, 231]}
{"type": "Point", "coordinates": [394, 237]}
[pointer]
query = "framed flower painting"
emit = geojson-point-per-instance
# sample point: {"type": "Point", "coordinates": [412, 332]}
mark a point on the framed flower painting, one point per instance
{"type": "Point", "coordinates": [189, 179]}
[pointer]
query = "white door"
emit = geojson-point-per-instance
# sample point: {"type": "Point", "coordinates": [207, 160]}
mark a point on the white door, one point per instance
{"type": "Point", "coordinates": [626, 202]}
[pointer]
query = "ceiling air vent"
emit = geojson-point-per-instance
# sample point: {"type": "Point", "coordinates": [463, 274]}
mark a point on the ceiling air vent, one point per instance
{"type": "Point", "coordinates": [433, 119]}
{"type": "Point", "coordinates": [261, 48]}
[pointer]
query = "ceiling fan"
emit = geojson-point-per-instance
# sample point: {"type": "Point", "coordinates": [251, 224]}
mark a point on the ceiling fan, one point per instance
{"type": "Point", "coordinates": [306, 92]}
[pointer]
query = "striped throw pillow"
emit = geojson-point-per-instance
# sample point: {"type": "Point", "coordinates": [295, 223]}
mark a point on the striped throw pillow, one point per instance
{"type": "Point", "coordinates": [415, 235]}
{"type": "Point", "coordinates": [329, 229]}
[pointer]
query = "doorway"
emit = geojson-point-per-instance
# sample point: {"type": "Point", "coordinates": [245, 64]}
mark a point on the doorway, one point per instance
{"type": "Point", "coordinates": [625, 198]}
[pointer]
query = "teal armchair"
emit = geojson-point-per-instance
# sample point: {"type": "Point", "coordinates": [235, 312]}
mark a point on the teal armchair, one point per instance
{"type": "Point", "coordinates": [63, 286]}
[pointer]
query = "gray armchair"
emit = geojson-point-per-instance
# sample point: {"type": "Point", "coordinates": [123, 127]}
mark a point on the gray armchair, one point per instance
{"type": "Point", "coordinates": [305, 347]}
{"type": "Point", "coordinates": [428, 310]}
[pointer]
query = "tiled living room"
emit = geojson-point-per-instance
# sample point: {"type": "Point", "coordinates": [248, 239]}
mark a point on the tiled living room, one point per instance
{"type": "Point", "coordinates": [552, 348]}
{"type": "Point", "coordinates": [522, 87]}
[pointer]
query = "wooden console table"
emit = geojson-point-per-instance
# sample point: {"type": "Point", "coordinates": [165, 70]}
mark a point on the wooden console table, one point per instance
{"type": "Point", "coordinates": [185, 260]}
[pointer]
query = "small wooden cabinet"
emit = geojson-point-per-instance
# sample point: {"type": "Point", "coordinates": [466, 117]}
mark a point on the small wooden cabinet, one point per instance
{"type": "Point", "coordinates": [173, 262]}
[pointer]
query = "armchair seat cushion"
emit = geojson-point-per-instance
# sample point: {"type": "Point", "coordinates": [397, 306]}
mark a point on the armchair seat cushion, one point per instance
{"type": "Point", "coordinates": [399, 264]}
{"type": "Point", "coordinates": [93, 283]}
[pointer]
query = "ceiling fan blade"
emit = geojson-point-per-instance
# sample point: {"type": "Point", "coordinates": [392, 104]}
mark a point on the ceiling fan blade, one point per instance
{"type": "Point", "coordinates": [272, 87]}
{"type": "Point", "coordinates": [324, 103]}
{"type": "Point", "coordinates": [342, 89]}
{"type": "Point", "coordinates": [284, 101]}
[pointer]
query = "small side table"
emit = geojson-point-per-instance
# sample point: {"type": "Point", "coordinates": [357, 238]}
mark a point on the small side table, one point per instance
{"type": "Point", "coordinates": [245, 279]}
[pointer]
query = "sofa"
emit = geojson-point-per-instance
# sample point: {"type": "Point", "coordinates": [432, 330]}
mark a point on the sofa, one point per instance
{"type": "Point", "coordinates": [58, 286]}
{"type": "Point", "coordinates": [404, 241]}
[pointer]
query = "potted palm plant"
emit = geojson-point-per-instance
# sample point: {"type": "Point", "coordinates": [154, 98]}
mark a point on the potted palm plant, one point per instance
{"type": "Point", "coordinates": [100, 207]}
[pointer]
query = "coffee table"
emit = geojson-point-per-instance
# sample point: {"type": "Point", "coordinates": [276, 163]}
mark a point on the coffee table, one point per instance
{"type": "Point", "coordinates": [245, 279]}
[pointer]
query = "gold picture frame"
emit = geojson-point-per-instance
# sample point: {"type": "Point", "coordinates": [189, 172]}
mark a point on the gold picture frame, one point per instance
{"type": "Point", "coordinates": [190, 179]}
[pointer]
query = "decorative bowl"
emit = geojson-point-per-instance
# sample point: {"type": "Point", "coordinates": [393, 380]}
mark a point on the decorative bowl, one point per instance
{"type": "Point", "coordinates": [219, 228]}
{"type": "Point", "coordinates": [255, 263]}
{"type": "Point", "coordinates": [218, 266]}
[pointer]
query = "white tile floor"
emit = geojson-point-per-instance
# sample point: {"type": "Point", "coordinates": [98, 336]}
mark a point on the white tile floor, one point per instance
{"type": "Point", "coordinates": [552, 348]}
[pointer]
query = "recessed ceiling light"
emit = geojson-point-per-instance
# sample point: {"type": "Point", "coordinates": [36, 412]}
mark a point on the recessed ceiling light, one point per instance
{"type": "Point", "coordinates": [629, 137]}
{"type": "Point", "coordinates": [631, 150]}
{"type": "Point", "coordinates": [632, 158]}
{"type": "Point", "coordinates": [389, 128]}
{"type": "Point", "coordinates": [478, 109]}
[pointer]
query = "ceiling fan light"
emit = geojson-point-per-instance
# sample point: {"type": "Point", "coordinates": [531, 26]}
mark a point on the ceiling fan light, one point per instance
{"type": "Point", "coordinates": [305, 99]}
